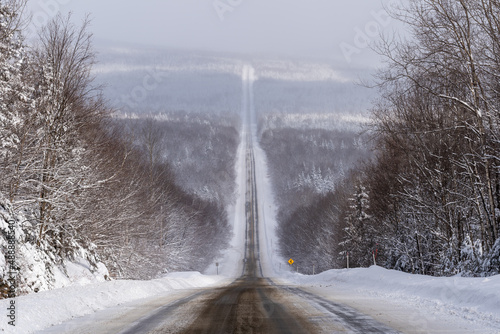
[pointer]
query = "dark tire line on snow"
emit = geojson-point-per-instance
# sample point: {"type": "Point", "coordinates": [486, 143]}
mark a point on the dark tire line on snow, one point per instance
{"type": "Point", "coordinates": [152, 320]}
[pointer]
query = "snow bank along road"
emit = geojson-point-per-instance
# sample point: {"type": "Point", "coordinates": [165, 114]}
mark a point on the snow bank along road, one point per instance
{"type": "Point", "coordinates": [255, 303]}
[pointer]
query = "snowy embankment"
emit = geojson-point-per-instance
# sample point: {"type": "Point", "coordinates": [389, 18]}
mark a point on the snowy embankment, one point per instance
{"type": "Point", "coordinates": [38, 267]}
{"type": "Point", "coordinates": [47, 308]}
{"type": "Point", "coordinates": [476, 301]}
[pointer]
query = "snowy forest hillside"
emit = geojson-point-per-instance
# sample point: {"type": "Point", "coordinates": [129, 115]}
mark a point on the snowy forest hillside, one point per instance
{"type": "Point", "coordinates": [199, 148]}
{"type": "Point", "coordinates": [431, 199]}
{"type": "Point", "coordinates": [78, 188]}
{"type": "Point", "coordinates": [428, 199]}
{"type": "Point", "coordinates": [290, 87]}
{"type": "Point", "coordinates": [311, 158]}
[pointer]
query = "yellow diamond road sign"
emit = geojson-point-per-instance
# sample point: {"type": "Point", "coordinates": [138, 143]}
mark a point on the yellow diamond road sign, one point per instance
{"type": "Point", "coordinates": [290, 261]}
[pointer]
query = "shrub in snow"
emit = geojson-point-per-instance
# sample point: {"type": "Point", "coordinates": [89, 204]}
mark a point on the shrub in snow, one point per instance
{"type": "Point", "coordinates": [491, 264]}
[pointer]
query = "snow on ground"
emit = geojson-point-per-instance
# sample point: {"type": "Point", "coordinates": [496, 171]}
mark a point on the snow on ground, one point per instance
{"type": "Point", "coordinates": [36, 269]}
{"type": "Point", "coordinates": [79, 272]}
{"type": "Point", "coordinates": [41, 310]}
{"type": "Point", "coordinates": [231, 260]}
{"type": "Point", "coordinates": [268, 241]}
{"type": "Point", "coordinates": [411, 303]}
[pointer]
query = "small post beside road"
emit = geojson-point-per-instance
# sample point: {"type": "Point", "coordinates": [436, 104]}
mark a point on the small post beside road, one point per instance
{"type": "Point", "coordinates": [375, 253]}
{"type": "Point", "coordinates": [313, 269]}
{"type": "Point", "coordinates": [217, 266]}
{"type": "Point", "coordinates": [347, 260]}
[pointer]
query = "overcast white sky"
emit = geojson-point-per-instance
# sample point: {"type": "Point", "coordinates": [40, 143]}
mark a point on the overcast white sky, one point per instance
{"type": "Point", "coordinates": [289, 27]}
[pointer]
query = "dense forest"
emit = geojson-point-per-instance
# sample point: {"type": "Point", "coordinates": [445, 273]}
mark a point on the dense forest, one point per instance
{"type": "Point", "coordinates": [200, 148]}
{"type": "Point", "coordinates": [431, 200]}
{"type": "Point", "coordinates": [310, 157]}
{"type": "Point", "coordinates": [428, 201]}
{"type": "Point", "coordinates": [76, 183]}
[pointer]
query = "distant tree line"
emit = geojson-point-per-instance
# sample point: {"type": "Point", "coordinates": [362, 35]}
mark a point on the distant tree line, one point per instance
{"type": "Point", "coordinates": [83, 184]}
{"type": "Point", "coordinates": [309, 97]}
{"type": "Point", "coordinates": [147, 80]}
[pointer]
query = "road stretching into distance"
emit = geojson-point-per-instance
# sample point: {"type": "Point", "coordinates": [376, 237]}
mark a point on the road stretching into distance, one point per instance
{"type": "Point", "coordinates": [251, 304]}
{"type": "Point", "coordinates": [254, 303]}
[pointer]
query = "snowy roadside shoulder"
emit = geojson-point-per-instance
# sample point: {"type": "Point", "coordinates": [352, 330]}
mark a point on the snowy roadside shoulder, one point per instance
{"type": "Point", "coordinates": [473, 299]}
{"type": "Point", "coordinates": [38, 311]}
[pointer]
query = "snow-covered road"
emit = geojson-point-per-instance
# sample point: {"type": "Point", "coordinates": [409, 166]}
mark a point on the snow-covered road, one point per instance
{"type": "Point", "coordinates": [268, 297]}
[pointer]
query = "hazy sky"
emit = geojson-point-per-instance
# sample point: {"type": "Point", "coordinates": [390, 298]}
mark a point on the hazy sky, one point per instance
{"type": "Point", "coordinates": [332, 29]}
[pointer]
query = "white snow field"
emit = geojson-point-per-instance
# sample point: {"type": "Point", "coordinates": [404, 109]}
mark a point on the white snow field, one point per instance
{"type": "Point", "coordinates": [411, 303]}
